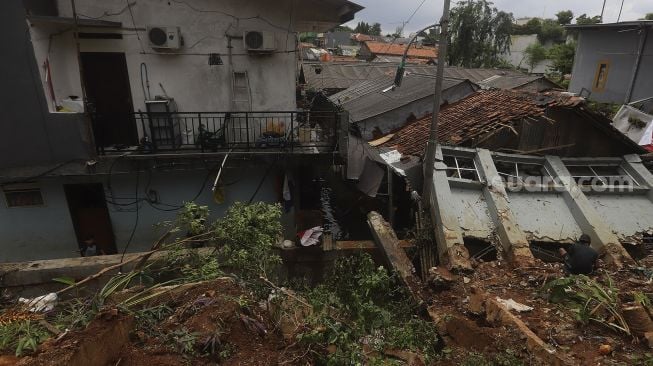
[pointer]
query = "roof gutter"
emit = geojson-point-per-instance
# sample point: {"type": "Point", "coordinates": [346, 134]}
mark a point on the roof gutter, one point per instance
{"type": "Point", "coordinates": [640, 52]}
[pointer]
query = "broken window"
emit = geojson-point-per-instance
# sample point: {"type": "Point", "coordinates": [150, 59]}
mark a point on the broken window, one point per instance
{"type": "Point", "coordinates": [461, 168]}
{"type": "Point", "coordinates": [547, 251]}
{"type": "Point", "coordinates": [601, 76]}
{"type": "Point", "coordinates": [603, 175]}
{"type": "Point", "coordinates": [480, 249]}
{"type": "Point", "coordinates": [23, 195]}
{"type": "Point", "coordinates": [516, 174]}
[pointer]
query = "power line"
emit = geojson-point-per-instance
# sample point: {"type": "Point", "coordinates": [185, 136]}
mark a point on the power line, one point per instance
{"type": "Point", "coordinates": [131, 14]}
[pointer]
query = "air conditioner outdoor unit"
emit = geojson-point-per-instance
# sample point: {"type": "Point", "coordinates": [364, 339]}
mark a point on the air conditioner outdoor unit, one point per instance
{"type": "Point", "coordinates": [259, 41]}
{"type": "Point", "coordinates": [164, 37]}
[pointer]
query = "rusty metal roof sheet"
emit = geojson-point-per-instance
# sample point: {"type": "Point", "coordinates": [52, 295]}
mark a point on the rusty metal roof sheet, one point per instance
{"type": "Point", "coordinates": [381, 48]}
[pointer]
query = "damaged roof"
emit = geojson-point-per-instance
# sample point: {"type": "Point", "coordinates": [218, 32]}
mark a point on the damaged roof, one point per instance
{"type": "Point", "coordinates": [372, 98]}
{"type": "Point", "coordinates": [484, 112]}
{"type": "Point", "coordinates": [381, 48]}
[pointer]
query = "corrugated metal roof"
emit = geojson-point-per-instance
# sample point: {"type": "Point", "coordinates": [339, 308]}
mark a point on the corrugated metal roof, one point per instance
{"type": "Point", "coordinates": [516, 81]}
{"type": "Point", "coordinates": [629, 24]}
{"type": "Point", "coordinates": [368, 98]}
{"type": "Point", "coordinates": [333, 75]}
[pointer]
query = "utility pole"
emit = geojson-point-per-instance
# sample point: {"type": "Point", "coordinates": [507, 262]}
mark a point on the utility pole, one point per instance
{"type": "Point", "coordinates": [431, 147]}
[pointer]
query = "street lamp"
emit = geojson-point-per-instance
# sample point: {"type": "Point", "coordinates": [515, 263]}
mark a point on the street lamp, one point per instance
{"type": "Point", "coordinates": [402, 65]}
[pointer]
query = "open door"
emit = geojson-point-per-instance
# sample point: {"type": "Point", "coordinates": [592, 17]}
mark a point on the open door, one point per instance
{"type": "Point", "coordinates": [90, 215]}
{"type": "Point", "coordinates": [107, 88]}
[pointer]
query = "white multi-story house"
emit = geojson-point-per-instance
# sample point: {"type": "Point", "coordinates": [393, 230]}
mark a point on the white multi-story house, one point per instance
{"type": "Point", "coordinates": [117, 112]}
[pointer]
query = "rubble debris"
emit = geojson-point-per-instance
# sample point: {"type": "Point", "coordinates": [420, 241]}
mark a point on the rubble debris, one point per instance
{"type": "Point", "coordinates": [497, 312]}
{"type": "Point", "coordinates": [605, 349]}
{"type": "Point", "coordinates": [637, 319]}
{"type": "Point", "coordinates": [477, 300]}
{"type": "Point", "coordinates": [441, 278]}
{"type": "Point", "coordinates": [511, 304]}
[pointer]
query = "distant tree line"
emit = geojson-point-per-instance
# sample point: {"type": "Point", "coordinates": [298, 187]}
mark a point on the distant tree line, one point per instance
{"type": "Point", "coordinates": [369, 29]}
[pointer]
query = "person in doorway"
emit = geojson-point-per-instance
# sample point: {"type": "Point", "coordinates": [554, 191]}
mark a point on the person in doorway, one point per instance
{"type": "Point", "coordinates": [580, 258]}
{"type": "Point", "coordinates": [89, 248]}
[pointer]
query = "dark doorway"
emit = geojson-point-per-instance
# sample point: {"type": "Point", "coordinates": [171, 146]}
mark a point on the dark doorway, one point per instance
{"type": "Point", "coordinates": [88, 210]}
{"type": "Point", "coordinates": [109, 97]}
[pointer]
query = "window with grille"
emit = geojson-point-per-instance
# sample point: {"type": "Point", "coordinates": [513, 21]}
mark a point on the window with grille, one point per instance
{"type": "Point", "coordinates": [25, 195]}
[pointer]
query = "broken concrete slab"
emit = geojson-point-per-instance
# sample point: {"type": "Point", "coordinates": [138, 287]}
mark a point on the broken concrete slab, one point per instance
{"type": "Point", "coordinates": [443, 211]}
{"type": "Point", "coordinates": [388, 242]}
{"type": "Point", "coordinates": [512, 238]}
{"type": "Point", "coordinates": [637, 319]}
{"type": "Point", "coordinates": [36, 277]}
{"type": "Point", "coordinates": [477, 299]}
{"type": "Point", "coordinates": [498, 313]}
{"type": "Point", "coordinates": [440, 278]}
{"type": "Point", "coordinates": [603, 238]}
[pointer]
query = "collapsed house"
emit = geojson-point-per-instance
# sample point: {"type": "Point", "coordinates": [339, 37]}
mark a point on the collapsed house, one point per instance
{"type": "Point", "coordinates": [525, 202]}
{"type": "Point", "coordinates": [520, 122]}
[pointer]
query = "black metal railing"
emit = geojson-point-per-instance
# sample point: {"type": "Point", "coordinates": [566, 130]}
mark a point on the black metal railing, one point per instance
{"type": "Point", "coordinates": [218, 131]}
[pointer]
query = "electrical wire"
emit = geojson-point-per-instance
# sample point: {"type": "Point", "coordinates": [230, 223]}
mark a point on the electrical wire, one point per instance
{"type": "Point", "coordinates": [39, 175]}
{"type": "Point", "coordinates": [131, 236]}
{"type": "Point", "coordinates": [106, 13]}
{"type": "Point", "coordinates": [260, 184]}
{"type": "Point", "coordinates": [131, 14]}
{"type": "Point", "coordinates": [145, 83]}
{"type": "Point", "coordinates": [231, 15]}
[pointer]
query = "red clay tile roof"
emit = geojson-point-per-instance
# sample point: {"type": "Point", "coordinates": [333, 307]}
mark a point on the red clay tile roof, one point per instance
{"type": "Point", "coordinates": [380, 48]}
{"type": "Point", "coordinates": [476, 115]}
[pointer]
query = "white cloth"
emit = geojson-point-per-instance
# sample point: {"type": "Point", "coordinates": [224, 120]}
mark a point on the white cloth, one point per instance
{"type": "Point", "coordinates": [42, 303]}
{"type": "Point", "coordinates": [311, 236]}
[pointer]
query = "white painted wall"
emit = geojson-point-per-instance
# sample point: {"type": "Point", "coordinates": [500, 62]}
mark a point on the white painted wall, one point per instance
{"type": "Point", "coordinates": [516, 57]}
{"type": "Point", "coordinates": [43, 232]}
{"type": "Point", "coordinates": [185, 74]}
{"type": "Point", "coordinates": [47, 232]}
{"type": "Point", "coordinates": [59, 49]}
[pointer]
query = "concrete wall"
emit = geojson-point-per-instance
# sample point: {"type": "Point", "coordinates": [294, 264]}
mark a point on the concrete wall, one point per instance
{"type": "Point", "coordinates": [631, 214]}
{"type": "Point", "coordinates": [619, 47]}
{"type": "Point", "coordinates": [47, 232]}
{"type": "Point", "coordinates": [28, 133]}
{"type": "Point", "coordinates": [185, 73]}
{"type": "Point", "coordinates": [473, 216]}
{"type": "Point", "coordinates": [544, 216]}
{"type": "Point", "coordinates": [517, 57]}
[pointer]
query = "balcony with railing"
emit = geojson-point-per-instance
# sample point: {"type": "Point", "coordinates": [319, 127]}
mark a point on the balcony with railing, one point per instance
{"type": "Point", "coordinates": [161, 132]}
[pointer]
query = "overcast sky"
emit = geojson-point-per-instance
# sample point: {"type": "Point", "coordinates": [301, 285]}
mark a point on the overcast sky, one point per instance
{"type": "Point", "coordinates": [391, 13]}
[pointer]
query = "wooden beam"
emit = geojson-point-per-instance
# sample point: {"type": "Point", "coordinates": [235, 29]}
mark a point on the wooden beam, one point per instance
{"type": "Point", "coordinates": [387, 241]}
